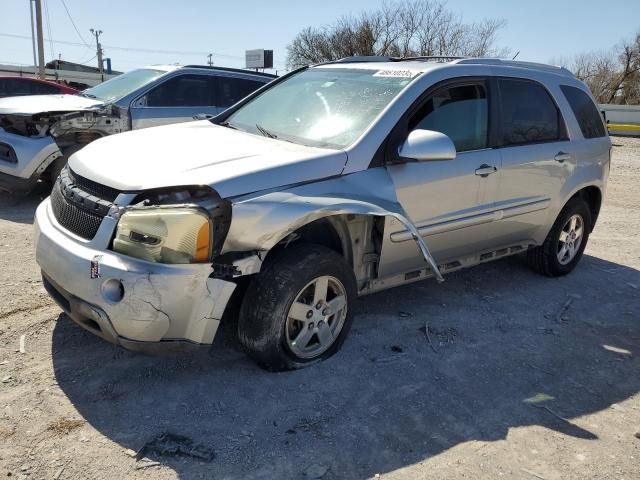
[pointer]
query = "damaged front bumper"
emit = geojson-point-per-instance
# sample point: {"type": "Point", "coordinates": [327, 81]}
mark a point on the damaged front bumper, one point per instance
{"type": "Point", "coordinates": [136, 304]}
{"type": "Point", "coordinates": [24, 159]}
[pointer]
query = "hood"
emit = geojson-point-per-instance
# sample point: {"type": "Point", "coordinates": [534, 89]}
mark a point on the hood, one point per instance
{"type": "Point", "coordinates": [33, 104]}
{"type": "Point", "coordinates": [201, 153]}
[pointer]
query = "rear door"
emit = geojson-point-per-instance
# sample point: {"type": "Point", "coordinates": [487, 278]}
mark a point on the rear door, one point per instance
{"type": "Point", "coordinates": [177, 99]}
{"type": "Point", "coordinates": [450, 202]}
{"type": "Point", "coordinates": [537, 158]}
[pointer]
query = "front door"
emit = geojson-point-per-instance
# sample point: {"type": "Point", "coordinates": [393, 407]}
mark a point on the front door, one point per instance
{"type": "Point", "coordinates": [450, 202]}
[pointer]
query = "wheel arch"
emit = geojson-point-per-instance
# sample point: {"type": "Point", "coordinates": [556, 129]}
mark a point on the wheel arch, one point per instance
{"type": "Point", "coordinates": [592, 195]}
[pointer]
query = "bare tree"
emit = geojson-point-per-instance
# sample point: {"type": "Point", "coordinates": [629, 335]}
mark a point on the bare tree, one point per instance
{"type": "Point", "coordinates": [614, 75]}
{"type": "Point", "coordinates": [402, 28]}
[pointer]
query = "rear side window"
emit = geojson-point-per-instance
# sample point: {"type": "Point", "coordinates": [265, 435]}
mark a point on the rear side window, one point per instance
{"type": "Point", "coordinates": [16, 86]}
{"type": "Point", "coordinates": [38, 88]}
{"type": "Point", "coordinates": [529, 114]}
{"type": "Point", "coordinates": [182, 91]}
{"type": "Point", "coordinates": [231, 90]}
{"type": "Point", "coordinates": [585, 111]}
{"type": "Point", "coordinates": [458, 111]}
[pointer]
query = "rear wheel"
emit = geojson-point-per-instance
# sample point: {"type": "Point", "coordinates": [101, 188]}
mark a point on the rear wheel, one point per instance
{"type": "Point", "coordinates": [297, 310]}
{"type": "Point", "coordinates": [565, 243]}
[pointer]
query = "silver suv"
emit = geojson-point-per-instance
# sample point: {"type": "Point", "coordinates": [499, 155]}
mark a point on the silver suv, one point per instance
{"type": "Point", "coordinates": [38, 133]}
{"type": "Point", "coordinates": [334, 181]}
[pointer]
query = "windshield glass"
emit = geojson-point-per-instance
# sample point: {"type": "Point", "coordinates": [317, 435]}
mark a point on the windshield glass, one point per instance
{"type": "Point", "coordinates": [117, 87]}
{"type": "Point", "coordinates": [320, 106]}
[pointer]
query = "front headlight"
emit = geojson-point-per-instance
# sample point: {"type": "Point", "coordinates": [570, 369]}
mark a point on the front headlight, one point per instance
{"type": "Point", "coordinates": [165, 235]}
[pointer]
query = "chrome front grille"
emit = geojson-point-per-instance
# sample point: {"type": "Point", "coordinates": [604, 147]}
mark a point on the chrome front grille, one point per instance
{"type": "Point", "coordinates": [79, 204]}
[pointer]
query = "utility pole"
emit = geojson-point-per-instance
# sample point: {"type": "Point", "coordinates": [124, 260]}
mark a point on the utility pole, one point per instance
{"type": "Point", "coordinates": [33, 35]}
{"type": "Point", "coordinates": [40, 39]}
{"type": "Point", "coordinates": [97, 34]}
{"type": "Point", "coordinates": [210, 62]}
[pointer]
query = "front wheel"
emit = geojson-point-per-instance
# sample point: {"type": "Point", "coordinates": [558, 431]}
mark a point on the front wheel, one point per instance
{"type": "Point", "coordinates": [565, 243]}
{"type": "Point", "coordinates": [298, 309]}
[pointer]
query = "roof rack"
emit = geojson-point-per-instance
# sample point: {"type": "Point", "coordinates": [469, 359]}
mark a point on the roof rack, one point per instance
{"type": "Point", "coordinates": [235, 70]}
{"type": "Point", "coordinates": [364, 59]}
{"type": "Point", "coordinates": [460, 61]}
{"type": "Point", "coordinates": [382, 58]}
{"type": "Point", "coordinates": [437, 58]}
{"type": "Point", "coordinates": [514, 63]}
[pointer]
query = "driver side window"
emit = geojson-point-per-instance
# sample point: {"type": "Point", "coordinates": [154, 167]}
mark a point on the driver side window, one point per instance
{"type": "Point", "coordinates": [459, 111]}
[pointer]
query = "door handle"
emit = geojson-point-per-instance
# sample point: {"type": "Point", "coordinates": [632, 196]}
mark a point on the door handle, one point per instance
{"type": "Point", "coordinates": [203, 116]}
{"type": "Point", "coordinates": [562, 156]}
{"type": "Point", "coordinates": [485, 170]}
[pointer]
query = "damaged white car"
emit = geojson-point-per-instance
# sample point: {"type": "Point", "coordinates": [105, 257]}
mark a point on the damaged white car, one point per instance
{"type": "Point", "coordinates": [334, 181]}
{"type": "Point", "coordinates": [38, 133]}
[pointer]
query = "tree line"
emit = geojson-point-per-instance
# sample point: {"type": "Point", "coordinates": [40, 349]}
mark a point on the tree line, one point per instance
{"type": "Point", "coordinates": [612, 75]}
{"type": "Point", "coordinates": [400, 29]}
{"type": "Point", "coordinates": [410, 28]}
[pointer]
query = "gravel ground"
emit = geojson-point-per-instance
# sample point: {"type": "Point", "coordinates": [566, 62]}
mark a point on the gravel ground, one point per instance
{"type": "Point", "coordinates": [525, 377]}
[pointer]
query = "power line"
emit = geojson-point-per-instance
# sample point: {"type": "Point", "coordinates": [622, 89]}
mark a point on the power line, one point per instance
{"type": "Point", "coordinates": [46, 16]}
{"type": "Point", "coordinates": [64, 4]}
{"type": "Point", "coordinates": [87, 61]}
{"type": "Point", "coordinates": [131, 49]}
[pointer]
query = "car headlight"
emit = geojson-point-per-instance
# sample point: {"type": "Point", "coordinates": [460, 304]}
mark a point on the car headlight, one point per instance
{"type": "Point", "coordinates": [165, 235]}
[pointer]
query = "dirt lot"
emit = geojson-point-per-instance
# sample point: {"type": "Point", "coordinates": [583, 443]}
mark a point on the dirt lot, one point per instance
{"type": "Point", "coordinates": [526, 377]}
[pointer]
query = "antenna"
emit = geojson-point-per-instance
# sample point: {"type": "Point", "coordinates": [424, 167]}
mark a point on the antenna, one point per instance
{"type": "Point", "coordinates": [517, 53]}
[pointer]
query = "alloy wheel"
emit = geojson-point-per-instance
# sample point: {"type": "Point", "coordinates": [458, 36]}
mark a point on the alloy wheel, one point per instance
{"type": "Point", "coordinates": [316, 317]}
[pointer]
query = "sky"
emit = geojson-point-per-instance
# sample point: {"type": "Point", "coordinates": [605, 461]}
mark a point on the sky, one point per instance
{"type": "Point", "coordinates": [145, 32]}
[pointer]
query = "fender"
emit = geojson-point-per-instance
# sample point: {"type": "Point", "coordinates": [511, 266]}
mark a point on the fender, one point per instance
{"type": "Point", "coordinates": [262, 221]}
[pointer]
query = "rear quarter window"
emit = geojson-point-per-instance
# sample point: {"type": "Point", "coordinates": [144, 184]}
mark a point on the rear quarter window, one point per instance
{"type": "Point", "coordinates": [585, 111]}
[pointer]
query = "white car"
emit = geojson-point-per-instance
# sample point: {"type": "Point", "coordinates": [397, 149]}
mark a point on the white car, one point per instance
{"type": "Point", "coordinates": [38, 133]}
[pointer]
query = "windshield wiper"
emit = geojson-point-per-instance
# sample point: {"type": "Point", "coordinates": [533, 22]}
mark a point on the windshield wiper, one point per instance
{"type": "Point", "coordinates": [265, 132]}
{"type": "Point", "coordinates": [228, 125]}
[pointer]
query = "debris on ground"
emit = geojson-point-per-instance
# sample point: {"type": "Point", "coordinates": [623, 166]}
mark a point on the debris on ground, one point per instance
{"type": "Point", "coordinates": [397, 349]}
{"type": "Point", "coordinates": [404, 314]}
{"type": "Point", "coordinates": [316, 471]}
{"type": "Point", "coordinates": [64, 426]}
{"type": "Point", "coordinates": [169, 444]}
{"type": "Point", "coordinates": [146, 463]}
{"type": "Point", "coordinates": [442, 337]}
{"type": "Point", "coordinates": [22, 348]}
{"type": "Point", "coordinates": [531, 472]}
{"type": "Point", "coordinates": [425, 330]}
{"type": "Point", "coordinates": [561, 315]}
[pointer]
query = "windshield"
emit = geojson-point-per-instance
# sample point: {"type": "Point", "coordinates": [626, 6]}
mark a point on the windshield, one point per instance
{"type": "Point", "coordinates": [117, 87]}
{"type": "Point", "coordinates": [320, 106]}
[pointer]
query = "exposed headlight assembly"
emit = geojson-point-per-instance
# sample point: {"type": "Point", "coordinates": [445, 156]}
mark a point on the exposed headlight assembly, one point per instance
{"type": "Point", "coordinates": [165, 234]}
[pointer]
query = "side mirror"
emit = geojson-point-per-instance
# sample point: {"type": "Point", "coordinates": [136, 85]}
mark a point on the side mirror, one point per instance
{"type": "Point", "coordinates": [140, 102]}
{"type": "Point", "coordinates": [427, 145]}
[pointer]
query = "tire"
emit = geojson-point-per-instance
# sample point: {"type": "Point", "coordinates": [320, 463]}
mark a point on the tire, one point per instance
{"type": "Point", "coordinates": [545, 259]}
{"type": "Point", "coordinates": [267, 329]}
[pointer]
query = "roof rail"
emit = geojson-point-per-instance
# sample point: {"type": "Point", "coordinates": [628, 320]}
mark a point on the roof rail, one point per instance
{"type": "Point", "coordinates": [384, 58]}
{"type": "Point", "coordinates": [437, 58]}
{"type": "Point", "coordinates": [235, 70]}
{"type": "Point", "coordinates": [364, 59]}
{"type": "Point", "coordinates": [514, 63]}
{"type": "Point", "coordinates": [459, 61]}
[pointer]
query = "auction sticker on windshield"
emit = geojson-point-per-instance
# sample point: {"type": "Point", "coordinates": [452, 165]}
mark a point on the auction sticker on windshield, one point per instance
{"type": "Point", "coordinates": [395, 73]}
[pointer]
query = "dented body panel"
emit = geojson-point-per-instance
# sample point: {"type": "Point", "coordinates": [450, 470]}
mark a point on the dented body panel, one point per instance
{"type": "Point", "coordinates": [393, 220]}
{"type": "Point", "coordinates": [159, 302]}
